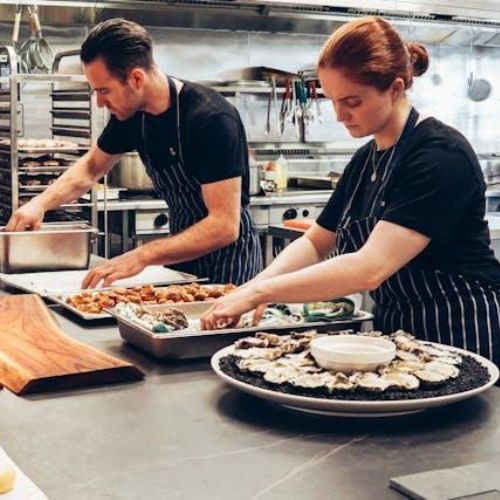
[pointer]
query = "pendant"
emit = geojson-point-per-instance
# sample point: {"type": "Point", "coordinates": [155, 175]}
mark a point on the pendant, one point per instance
{"type": "Point", "coordinates": [373, 177]}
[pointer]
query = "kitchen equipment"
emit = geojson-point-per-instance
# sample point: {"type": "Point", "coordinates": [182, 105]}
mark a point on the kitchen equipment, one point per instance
{"type": "Point", "coordinates": [131, 173]}
{"type": "Point", "coordinates": [52, 247]}
{"type": "Point", "coordinates": [254, 177]}
{"type": "Point", "coordinates": [51, 284]}
{"type": "Point", "coordinates": [43, 52]}
{"type": "Point", "coordinates": [38, 356]}
{"type": "Point", "coordinates": [478, 89]}
{"type": "Point", "coordinates": [198, 344]}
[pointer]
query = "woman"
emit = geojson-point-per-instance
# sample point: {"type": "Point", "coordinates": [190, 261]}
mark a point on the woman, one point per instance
{"type": "Point", "coordinates": [407, 218]}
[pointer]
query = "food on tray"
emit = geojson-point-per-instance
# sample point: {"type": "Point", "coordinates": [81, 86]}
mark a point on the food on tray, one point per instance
{"type": "Point", "coordinates": [274, 315]}
{"type": "Point", "coordinates": [169, 320]}
{"type": "Point", "coordinates": [93, 302]}
{"type": "Point", "coordinates": [285, 364]}
{"type": "Point", "coordinates": [342, 308]}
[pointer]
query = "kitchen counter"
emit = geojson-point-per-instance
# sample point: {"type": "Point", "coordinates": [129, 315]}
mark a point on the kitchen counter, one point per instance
{"type": "Point", "coordinates": [287, 198]}
{"type": "Point", "coordinates": [184, 434]}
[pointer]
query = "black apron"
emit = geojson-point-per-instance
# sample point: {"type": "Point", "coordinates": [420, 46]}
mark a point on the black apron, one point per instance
{"type": "Point", "coordinates": [235, 263]}
{"type": "Point", "coordinates": [433, 305]}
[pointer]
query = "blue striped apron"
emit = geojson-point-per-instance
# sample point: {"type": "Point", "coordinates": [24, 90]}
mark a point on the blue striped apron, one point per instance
{"type": "Point", "coordinates": [235, 263]}
{"type": "Point", "coordinates": [433, 305]}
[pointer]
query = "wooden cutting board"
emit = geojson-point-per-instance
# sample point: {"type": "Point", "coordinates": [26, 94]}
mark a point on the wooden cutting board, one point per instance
{"type": "Point", "coordinates": [36, 356]}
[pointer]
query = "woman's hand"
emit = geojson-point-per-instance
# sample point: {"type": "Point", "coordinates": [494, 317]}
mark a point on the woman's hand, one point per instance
{"type": "Point", "coordinates": [227, 311]}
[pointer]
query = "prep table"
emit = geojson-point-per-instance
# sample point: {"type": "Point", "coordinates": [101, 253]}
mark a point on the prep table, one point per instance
{"type": "Point", "coordinates": [183, 434]}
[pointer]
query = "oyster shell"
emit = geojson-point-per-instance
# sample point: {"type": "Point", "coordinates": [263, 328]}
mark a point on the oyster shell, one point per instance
{"type": "Point", "coordinates": [400, 380]}
{"type": "Point", "coordinates": [249, 342]}
{"type": "Point", "coordinates": [449, 371]}
{"type": "Point", "coordinates": [273, 340]}
{"type": "Point", "coordinates": [370, 381]}
{"type": "Point", "coordinates": [407, 366]}
{"type": "Point", "coordinates": [313, 380]}
{"type": "Point", "coordinates": [280, 374]}
{"type": "Point", "coordinates": [270, 354]}
{"type": "Point", "coordinates": [430, 377]}
{"type": "Point", "coordinates": [341, 382]}
{"type": "Point", "coordinates": [258, 365]}
{"type": "Point", "coordinates": [407, 355]}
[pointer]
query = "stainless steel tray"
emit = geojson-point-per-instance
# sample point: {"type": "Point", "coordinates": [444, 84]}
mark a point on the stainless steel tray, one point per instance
{"type": "Point", "coordinates": [52, 247]}
{"type": "Point", "coordinates": [61, 298]}
{"type": "Point", "coordinates": [65, 283]}
{"type": "Point", "coordinates": [187, 343]}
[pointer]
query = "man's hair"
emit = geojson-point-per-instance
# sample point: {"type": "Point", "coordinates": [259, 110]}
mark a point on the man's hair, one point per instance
{"type": "Point", "coordinates": [123, 45]}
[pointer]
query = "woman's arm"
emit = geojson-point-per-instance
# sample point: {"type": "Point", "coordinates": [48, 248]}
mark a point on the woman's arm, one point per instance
{"type": "Point", "coordinates": [389, 248]}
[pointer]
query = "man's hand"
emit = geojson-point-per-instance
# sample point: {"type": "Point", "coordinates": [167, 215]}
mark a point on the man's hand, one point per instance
{"type": "Point", "coordinates": [124, 266]}
{"type": "Point", "coordinates": [29, 216]}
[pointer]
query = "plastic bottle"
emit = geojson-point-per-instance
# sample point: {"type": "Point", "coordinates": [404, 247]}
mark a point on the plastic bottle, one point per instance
{"type": "Point", "coordinates": [281, 168]}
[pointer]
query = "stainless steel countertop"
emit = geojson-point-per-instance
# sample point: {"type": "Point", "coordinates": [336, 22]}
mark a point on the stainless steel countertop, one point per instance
{"type": "Point", "coordinates": [182, 433]}
{"type": "Point", "coordinates": [290, 198]}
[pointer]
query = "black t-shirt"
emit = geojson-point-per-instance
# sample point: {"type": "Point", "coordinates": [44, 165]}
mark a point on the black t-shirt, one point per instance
{"type": "Point", "coordinates": [437, 189]}
{"type": "Point", "coordinates": [213, 140]}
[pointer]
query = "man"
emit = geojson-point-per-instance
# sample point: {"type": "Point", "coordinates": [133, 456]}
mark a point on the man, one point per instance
{"type": "Point", "coordinates": [193, 145]}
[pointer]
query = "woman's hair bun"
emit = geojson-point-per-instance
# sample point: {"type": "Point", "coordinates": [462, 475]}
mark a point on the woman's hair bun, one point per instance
{"type": "Point", "coordinates": [419, 58]}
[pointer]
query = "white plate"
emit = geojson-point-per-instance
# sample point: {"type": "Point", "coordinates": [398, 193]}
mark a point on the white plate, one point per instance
{"type": "Point", "coordinates": [356, 408]}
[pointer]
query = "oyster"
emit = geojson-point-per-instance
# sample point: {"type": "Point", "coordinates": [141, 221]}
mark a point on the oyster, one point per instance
{"type": "Point", "coordinates": [280, 374]}
{"type": "Point", "coordinates": [449, 371]}
{"type": "Point", "coordinates": [313, 380]}
{"type": "Point", "coordinates": [249, 342]}
{"type": "Point", "coordinates": [370, 381]}
{"type": "Point", "coordinates": [273, 340]}
{"type": "Point", "coordinates": [341, 382]}
{"type": "Point", "coordinates": [404, 341]}
{"type": "Point", "coordinates": [259, 365]}
{"type": "Point", "coordinates": [406, 355]}
{"type": "Point", "coordinates": [259, 352]}
{"type": "Point", "coordinates": [400, 380]}
{"type": "Point", "coordinates": [430, 377]}
{"type": "Point", "coordinates": [407, 366]}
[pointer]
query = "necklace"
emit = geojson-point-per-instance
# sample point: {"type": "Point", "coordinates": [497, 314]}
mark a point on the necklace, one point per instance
{"type": "Point", "coordinates": [376, 164]}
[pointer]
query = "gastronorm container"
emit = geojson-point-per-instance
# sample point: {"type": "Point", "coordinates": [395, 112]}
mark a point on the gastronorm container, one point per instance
{"type": "Point", "coordinates": [53, 247]}
{"type": "Point", "coordinates": [184, 344]}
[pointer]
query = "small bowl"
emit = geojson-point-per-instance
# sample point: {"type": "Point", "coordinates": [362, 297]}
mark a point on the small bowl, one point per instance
{"type": "Point", "coordinates": [352, 353]}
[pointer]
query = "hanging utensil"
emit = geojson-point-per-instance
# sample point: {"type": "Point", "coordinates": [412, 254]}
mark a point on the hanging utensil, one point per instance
{"type": "Point", "coordinates": [44, 55]}
{"type": "Point", "coordinates": [478, 89]}
{"type": "Point", "coordinates": [316, 101]}
{"type": "Point", "coordinates": [268, 118]}
{"type": "Point", "coordinates": [286, 106]}
{"type": "Point", "coordinates": [275, 102]}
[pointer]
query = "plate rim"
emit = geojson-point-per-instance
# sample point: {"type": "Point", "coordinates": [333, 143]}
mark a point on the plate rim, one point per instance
{"type": "Point", "coordinates": [356, 406]}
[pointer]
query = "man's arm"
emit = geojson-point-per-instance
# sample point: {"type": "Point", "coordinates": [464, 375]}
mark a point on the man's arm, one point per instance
{"type": "Point", "coordinates": [218, 229]}
{"type": "Point", "coordinates": [75, 182]}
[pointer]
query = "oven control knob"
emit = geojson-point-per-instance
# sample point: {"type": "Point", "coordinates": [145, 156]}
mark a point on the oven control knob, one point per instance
{"type": "Point", "coordinates": [291, 213]}
{"type": "Point", "coordinates": [160, 221]}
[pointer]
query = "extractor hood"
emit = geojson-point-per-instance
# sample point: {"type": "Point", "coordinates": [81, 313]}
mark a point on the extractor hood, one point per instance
{"type": "Point", "coordinates": [451, 21]}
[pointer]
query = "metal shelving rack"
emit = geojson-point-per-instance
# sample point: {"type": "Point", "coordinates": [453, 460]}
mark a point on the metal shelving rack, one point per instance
{"type": "Point", "coordinates": [76, 125]}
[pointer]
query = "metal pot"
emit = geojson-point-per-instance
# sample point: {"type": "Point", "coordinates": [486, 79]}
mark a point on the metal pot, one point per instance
{"type": "Point", "coordinates": [130, 173]}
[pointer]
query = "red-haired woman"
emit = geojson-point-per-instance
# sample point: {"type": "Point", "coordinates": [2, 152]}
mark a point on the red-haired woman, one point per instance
{"type": "Point", "coordinates": [407, 218]}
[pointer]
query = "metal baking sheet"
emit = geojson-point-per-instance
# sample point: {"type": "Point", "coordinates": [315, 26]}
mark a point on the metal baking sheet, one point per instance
{"type": "Point", "coordinates": [61, 300]}
{"type": "Point", "coordinates": [65, 283]}
{"type": "Point", "coordinates": [187, 343]}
